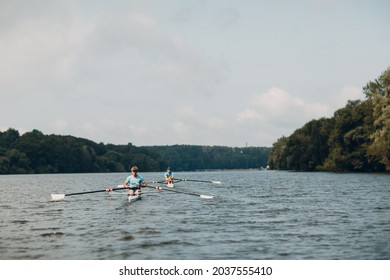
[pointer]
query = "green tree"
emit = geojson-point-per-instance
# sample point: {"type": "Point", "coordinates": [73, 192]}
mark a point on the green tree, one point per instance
{"type": "Point", "coordinates": [277, 155]}
{"type": "Point", "coordinates": [349, 139]}
{"type": "Point", "coordinates": [4, 165]}
{"type": "Point", "coordinates": [17, 161]}
{"type": "Point", "coordinates": [378, 92]}
{"type": "Point", "coordinates": [8, 137]}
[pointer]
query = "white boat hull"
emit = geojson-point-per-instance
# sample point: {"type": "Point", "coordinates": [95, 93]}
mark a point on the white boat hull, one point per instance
{"type": "Point", "coordinates": [132, 198]}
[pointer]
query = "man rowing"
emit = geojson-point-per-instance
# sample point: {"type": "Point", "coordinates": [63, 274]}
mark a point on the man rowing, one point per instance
{"type": "Point", "coordinates": [134, 182]}
{"type": "Point", "coordinates": [169, 176]}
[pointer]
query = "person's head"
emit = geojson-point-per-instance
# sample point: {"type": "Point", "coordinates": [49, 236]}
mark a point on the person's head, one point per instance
{"type": "Point", "coordinates": [169, 169]}
{"type": "Point", "coordinates": [134, 169]}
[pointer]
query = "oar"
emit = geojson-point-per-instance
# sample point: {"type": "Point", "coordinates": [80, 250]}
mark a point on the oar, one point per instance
{"type": "Point", "coordinates": [58, 196]}
{"type": "Point", "coordinates": [159, 182]}
{"type": "Point", "coordinates": [189, 193]}
{"type": "Point", "coordinates": [200, 181]}
{"type": "Point", "coordinates": [165, 182]}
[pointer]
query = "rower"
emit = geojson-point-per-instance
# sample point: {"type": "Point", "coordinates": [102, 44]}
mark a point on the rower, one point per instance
{"type": "Point", "coordinates": [169, 176]}
{"type": "Point", "coordinates": [134, 182]}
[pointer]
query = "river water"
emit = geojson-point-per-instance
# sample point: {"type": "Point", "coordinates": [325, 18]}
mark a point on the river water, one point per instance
{"type": "Point", "coordinates": [254, 215]}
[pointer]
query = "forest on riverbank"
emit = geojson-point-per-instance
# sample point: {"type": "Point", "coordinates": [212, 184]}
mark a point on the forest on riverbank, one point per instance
{"type": "Point", "coordinates": [355, 139]}
{"type": "Point", "coordinates": [35, 152]}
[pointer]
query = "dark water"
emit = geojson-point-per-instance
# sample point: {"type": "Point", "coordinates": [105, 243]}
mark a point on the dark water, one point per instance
{"type": "Point", "coordinates": [254, 215]}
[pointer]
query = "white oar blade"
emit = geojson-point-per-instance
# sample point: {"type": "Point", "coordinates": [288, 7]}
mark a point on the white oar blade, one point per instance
{"type": "Point", "coordinates": [216, 182]}
{"type": "Point", "coordinates": [57, 197]}
{"type": "Point", "coordinates": [206, 196]}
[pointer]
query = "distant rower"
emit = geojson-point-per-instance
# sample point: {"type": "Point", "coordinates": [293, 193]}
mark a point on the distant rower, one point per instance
{"type": "Point", "coordinates": [169, 176]}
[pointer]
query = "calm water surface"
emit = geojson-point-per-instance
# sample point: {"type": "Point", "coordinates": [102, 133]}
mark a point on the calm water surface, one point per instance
{"type": "Point", "coordinates": [254, 215]}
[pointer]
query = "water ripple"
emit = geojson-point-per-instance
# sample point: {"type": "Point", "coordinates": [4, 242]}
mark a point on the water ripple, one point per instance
{"type": "Point", "coordinates": [275, 215]}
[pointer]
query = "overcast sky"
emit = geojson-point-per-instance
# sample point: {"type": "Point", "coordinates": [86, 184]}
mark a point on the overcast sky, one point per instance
{"type": "Point", "coordinates": [220, 72]}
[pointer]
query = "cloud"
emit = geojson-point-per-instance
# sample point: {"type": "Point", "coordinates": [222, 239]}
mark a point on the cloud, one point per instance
{"type": "Point", "coordinates": [140, 131]}
{"type": "Point", "coordinates": [189, 122]}
{"type": "Point", "coordinates": [60, 125]}
{"type": "Point", "coordinates": [127, 71]}
{"type": "Point", "coordinates": [278, 112]}
{"type": "Point", "coordinates": [181, 129]}
{"type": "Point", "coordinates": [134, 46]}
{"type": "Point", "coordinates": [85, 56]}
{"type": "Point", "coordinates": [93, 67]}
{"type": "Point", "coordinates": [216, 123]}
{"type": "Point", "coordinates": [105, 129]}
{"type": "Point", "coordinates": [185, 112]}
{"type": "Point", "coordinates": [39, 57]}
{"type": "Point", "coordinates": [347, 93]}
{"type": "Point", "coordinates": [250, 115]}
{"type": "Point", "coordinates": [280, 108]}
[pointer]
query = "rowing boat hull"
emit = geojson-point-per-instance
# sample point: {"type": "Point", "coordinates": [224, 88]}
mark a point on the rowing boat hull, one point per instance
{"type": "Point", "coordinates": [132, 198]}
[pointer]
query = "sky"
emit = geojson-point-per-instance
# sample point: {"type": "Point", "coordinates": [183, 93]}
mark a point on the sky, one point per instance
{"type": "Point", "coordinates": [198, 72]}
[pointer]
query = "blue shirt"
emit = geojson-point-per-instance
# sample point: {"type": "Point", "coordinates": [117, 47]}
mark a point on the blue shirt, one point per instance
{"type": "Point", "coordinates": [168, 175]}
{"type": "Point", "coordinates": [134, 182]}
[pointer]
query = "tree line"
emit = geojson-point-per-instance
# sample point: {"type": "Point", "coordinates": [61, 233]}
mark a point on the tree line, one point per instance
{"type": "Point", "coordinates": [35, 152]}
{"type": "Point", "coordinates": [190, 157]}
{"type": "Point", "coordinates": [355, 139]}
